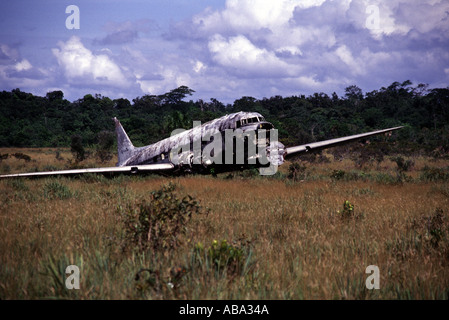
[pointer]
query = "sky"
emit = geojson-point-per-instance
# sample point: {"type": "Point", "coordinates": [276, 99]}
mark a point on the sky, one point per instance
{"type": "Point", "coordinates": [222, 49]}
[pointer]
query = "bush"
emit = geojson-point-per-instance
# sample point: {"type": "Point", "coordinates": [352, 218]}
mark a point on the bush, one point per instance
{"type": "Point", "coordinates": [403, 165]}
{"type": "Point", "coordinates": [428, 234]}
{"type": "Point", "coordinates": [434, 174]}
{"type": "Point", "coordinates": [77, 149]}
{"type": "Point", "coordinates": [56, 190]}
{"type": "Point", "coordinates": [22, 156]}
{"type": "Point", "coordinates": [157, 224]}
{"type": "Point", "coordinates": [296, 171]}
{"type": "Point", "coordinates": [105, 144]}
{"type": "Point", "coordinates": [434, 227]}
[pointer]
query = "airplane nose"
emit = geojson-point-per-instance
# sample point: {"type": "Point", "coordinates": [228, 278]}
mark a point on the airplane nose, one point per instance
{"type": "Point", "coordinates": [275, 153]}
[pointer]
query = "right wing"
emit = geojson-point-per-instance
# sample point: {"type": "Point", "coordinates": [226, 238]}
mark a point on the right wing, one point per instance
{"type": "Point", "coordinates": [126, 169]}
{"type": "Point", "coordinates": [309, 147]}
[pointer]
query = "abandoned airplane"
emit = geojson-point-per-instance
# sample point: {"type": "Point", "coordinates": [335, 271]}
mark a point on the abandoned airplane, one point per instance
{"type": "Point", "coordinates": [232, 142]}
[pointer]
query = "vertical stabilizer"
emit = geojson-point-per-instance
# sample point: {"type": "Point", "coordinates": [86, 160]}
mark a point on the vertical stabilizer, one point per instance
{"type": "Point", "coordinates": [124, 145]}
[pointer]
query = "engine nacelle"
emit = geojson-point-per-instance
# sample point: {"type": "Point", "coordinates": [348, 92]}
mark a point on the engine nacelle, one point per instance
{"type": "Point", "coordinates": [185, 159]}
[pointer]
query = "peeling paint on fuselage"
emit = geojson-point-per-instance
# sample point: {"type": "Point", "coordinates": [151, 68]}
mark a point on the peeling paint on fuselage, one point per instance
{"type": "Point", "coordinates": [160, 151]}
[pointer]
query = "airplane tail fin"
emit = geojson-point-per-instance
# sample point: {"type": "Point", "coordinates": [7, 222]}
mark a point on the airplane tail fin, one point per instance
{"type": "Point", "coordinates": [124, 145]}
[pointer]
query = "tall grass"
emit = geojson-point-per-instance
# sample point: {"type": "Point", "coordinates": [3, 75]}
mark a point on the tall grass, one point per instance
{"type": "Point", "coordinates": [263, 237]}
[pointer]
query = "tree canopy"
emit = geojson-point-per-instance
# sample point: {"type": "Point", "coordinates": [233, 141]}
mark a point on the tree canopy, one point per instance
{"type": "Point", "coordinates": [27, 120]}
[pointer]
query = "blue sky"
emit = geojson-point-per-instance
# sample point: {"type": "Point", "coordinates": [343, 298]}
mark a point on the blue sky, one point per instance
{"type": "Point", "coordinates": [222, 49]}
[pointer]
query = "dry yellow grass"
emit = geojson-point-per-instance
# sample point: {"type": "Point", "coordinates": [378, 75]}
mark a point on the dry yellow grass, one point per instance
{"type": "Point", "coordinates": [301, 248]}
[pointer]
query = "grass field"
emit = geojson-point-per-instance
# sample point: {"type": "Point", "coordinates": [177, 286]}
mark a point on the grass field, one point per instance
{"type": "Point", "coordinates": [253, 238]}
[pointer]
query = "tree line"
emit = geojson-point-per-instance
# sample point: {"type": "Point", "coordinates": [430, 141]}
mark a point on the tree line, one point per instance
{"type": "Point", "coordinates": [27, 120]}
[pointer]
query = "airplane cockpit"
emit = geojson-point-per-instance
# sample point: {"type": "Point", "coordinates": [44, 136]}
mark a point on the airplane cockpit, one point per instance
{"type": "Point", "coordinates": [249, 119]}
{"type": "Point", "coordinates": [244, 121]}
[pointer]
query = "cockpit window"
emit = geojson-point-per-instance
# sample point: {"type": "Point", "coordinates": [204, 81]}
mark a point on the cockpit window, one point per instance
{"type": "Point", "coordinates": [242, 122]}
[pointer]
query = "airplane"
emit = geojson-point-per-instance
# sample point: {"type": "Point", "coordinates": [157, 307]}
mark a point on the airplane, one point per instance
{"type": "Point", "coordinates": [240, 140]}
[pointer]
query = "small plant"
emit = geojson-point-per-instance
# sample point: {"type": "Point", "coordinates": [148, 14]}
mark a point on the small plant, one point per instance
{"type": "Point", "coordinates": [347, 211]}
{"type": "Point", "coordinates": [338, 174]}
{"type": "Point", "coordinates": [58, 155]}
{"type": "Point", "coordinates": [436, 228]}
{"type": "Point", "coordinates": [222, 257]}
{"type": "Point", "coordinates": [403, 165]}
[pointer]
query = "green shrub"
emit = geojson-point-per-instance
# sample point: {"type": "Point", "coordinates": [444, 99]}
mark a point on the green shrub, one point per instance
{"type": "Point", "coordinates": [403, 165]}
{"type": "Point", "coordinates": [77, 149]}
{"type": "Point", "coordinates": [434, 174]}
{"type": "Point", "coordinates": [159, 222]}
{"type": "Point", "coordinates": [18, 184]}
{"type": "Point", "coordinates": [105, 145]}
{"type": "Point", "coordinates": [53, 189]}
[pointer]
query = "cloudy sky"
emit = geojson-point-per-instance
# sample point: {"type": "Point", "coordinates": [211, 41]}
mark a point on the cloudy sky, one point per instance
{"type": "Point", "coordinates": [222, 49]}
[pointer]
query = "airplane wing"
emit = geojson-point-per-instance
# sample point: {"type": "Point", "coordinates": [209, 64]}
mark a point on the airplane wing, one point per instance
{"type": "Point", "coordinates": [332, 142]}
{"type": "Point", "coordinates": [125, 169]}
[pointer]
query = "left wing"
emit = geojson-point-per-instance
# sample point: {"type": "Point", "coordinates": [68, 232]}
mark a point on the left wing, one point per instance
{"type": "Point", "coordinates": [126, 169]}
{"type": "Point", "coordinates": [332, 142]}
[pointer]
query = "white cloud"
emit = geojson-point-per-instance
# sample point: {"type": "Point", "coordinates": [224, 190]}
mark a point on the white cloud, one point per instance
{"type": "Point", "coordinates": [345, 55]}
{"type": "Point", "coordinates": [319, 44]}
{"type": "Point", "coordinates": [198, 66]}
{"type": "Point", "coordinates": [80, 65]}
{"type": "Point", "coordinates": [241, 55]}
{"type": "Point", "coordinates": [290, 50]}
{"type": "Point", "coordinates": [402, 16]}
{"type": "Point", "coordinates": [247, 15]}
{"type": "Point", "coordinates": [23, 65]}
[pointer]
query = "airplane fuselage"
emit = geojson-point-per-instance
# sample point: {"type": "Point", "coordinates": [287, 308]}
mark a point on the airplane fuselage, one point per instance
{"type": "Point", "coordinates": [190, 144]}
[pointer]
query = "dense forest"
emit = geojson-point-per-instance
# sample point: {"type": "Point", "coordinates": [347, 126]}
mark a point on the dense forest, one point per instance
{"type": "Point", "coordinates": [27, 120]}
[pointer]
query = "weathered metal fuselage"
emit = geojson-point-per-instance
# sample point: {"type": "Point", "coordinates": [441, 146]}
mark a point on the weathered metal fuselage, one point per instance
{"type": "Point", "coordinates": [187, 149]}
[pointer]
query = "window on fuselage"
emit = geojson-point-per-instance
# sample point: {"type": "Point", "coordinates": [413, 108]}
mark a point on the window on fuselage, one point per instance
{"type": "Point", "coordinates": [242, 122]}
